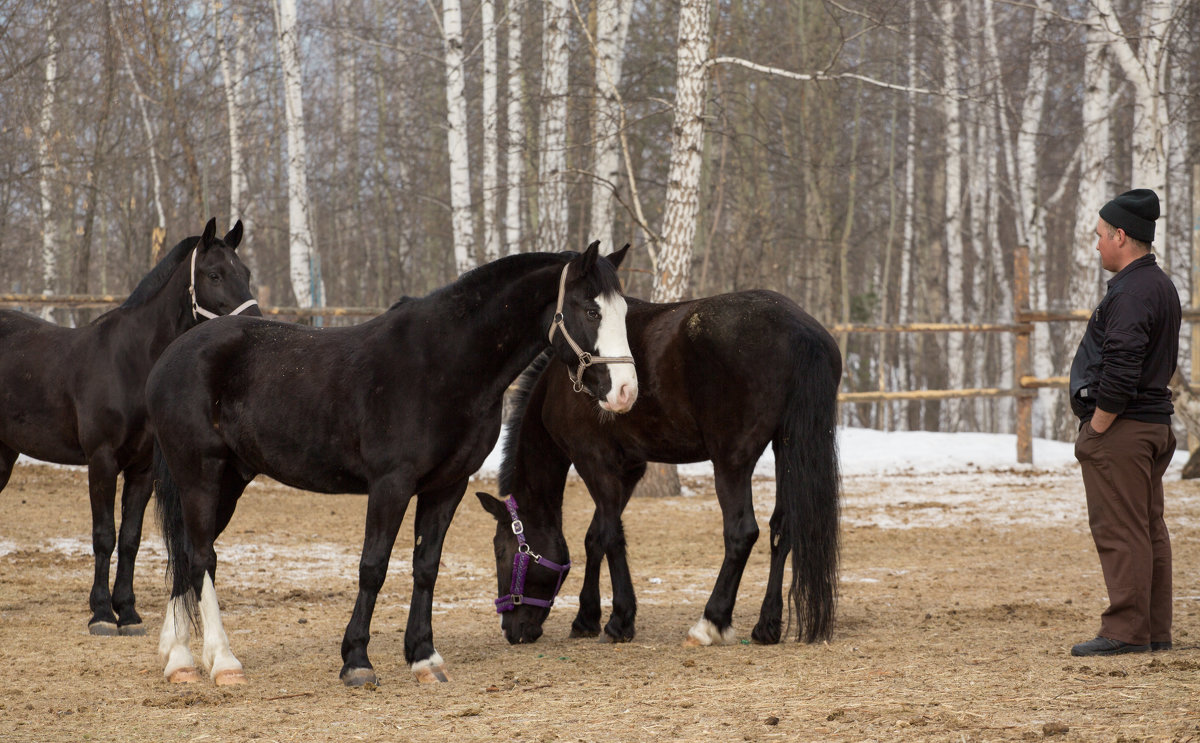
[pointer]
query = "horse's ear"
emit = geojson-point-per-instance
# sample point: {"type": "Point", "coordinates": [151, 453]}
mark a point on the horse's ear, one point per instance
{"type": "Point", "coordinates": [210, 231]}
{"type": "Point", "coordinates": [493, 505]}
{"type": "Point", "coordinates": [616, 258]}
{"type": "Point", "coordinates": [233, 238]}
{"type": "Point", "coordinates": [587, 261]}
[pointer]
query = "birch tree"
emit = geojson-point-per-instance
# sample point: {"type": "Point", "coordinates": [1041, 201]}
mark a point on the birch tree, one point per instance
{"type": "Point", "coordinates": [45, 161]}
{"type": "Point", "coordinates": [232, 78]}
{"type": "Point", "coordinates": [491, 126]}
{"type": "Point", "coordinates": [515, 129]}
{"type": "Point", "coordinates": [687, 144]}
{"type": "Point", "coordinates": [462, 222]}
{"type": "Point", "coordinates": [953, 213]}
{"type": "Point", "coordinates": [612, 29]}
{"type": "Point", "coordinates": [304, 261]}
{"type": "Point", "coordinates": [552, 167]}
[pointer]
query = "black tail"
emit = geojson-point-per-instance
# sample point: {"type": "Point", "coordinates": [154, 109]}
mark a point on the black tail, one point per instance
{"type": "Point", "coordinates": [808, 485]}
{"type": "Point", "coordinates": [170, 519]}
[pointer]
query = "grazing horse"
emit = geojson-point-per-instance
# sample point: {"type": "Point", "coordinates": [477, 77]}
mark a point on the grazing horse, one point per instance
{"type": "Point", "coordinates": [77, 396]}
{"type": "Point", "coordinates": [721, 378]}
{"type": "Point", "coordinates": [405, 404]}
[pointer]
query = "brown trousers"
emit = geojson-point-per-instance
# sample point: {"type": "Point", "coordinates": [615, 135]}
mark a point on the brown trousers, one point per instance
{"type": "Point", "coordinates": [1122, 475]}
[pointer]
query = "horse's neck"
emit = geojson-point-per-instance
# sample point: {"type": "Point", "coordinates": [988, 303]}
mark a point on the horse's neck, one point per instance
{"type": "Point", "coordinates": [539, 468]}
{"type": "Point", "coordinates": [163, 317]}
{"type": "Point", "coordinates": [503, 330]}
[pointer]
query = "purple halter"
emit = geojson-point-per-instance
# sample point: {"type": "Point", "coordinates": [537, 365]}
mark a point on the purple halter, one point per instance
{"type": "Point", "coordinates": [521, 560]}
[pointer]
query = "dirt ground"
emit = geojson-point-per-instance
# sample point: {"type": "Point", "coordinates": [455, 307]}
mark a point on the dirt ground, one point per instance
{"type": "Point", "coordinates": [961, 596]}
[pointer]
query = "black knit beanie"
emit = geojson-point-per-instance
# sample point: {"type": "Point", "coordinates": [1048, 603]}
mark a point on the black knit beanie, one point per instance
{"type": "Point", "coordinates": [1133, 211]}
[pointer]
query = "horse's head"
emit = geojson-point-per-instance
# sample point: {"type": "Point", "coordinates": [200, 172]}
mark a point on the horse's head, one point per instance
{"type": "Point", "coordinates": [531, 563]}
{"type": "Point", "coordinates": [219, 281]}
{"type": "Point", "coordinates": [588, 330]}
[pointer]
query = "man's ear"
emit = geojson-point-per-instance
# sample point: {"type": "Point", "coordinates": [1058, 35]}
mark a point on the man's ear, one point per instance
{"type": "Point", "coordinates": [493, 505]}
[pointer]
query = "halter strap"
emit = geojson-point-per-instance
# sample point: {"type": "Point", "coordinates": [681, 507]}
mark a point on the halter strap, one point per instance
{"type": "Point", "coordinates": [516, 595]}
{"type": "Point", "coordinates": [585, 358]}
{"type": "Point", "coordinates": [197, 310]}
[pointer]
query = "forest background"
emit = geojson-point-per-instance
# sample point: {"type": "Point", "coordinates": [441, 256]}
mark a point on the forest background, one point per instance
{"type": "Point", "coordinates": [876, 160]}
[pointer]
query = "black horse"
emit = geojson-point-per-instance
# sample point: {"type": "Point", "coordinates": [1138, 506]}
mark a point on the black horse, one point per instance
{"type": "Point", "coordinates": [406, 403]}
{"type": "Point", "coordinates": [720, 379]}
{"type": "Point", "coordinates": [77, 396]}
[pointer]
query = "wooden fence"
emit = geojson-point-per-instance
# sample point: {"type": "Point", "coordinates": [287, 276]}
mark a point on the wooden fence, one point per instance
{"type": "Point", "coordinates": [1024, 385]}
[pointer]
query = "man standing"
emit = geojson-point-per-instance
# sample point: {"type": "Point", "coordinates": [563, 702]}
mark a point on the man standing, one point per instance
{"type": "Point", "coordinates": [1119, 392]}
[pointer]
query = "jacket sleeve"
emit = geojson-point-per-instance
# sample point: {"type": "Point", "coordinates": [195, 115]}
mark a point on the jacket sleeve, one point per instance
{"type": "Point", "coordinates": [1126, 340]}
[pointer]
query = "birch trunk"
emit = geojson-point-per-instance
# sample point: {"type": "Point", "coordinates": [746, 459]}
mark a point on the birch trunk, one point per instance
{"type": "Point", "coordinates": [955, 358]}
{"type": "Point", "coordinates": [1144, 69]}
{"type": "Point", "coordinates": [687, 144]}
{"type": "Point", "coordinates": [515, 143]}
{"type": "Point", "coordinates": [612, 29]}
{"type": "Point", "coordinates": [491, 142]}
{"type": "Point", "coordinates": [45, 161]}
{"type": "Point", "coordinates": [462, 225]}
{"type": "Point", "coordinates": [552, 166]}
{"type": "Point", "coordinates": [907, 246]}
{"type": "Point", "coordinates": [305, 263]}
{"type": "Point", "coordinates": [232, 76]}
{"type": "Point", "coordinates": [1085, 282]}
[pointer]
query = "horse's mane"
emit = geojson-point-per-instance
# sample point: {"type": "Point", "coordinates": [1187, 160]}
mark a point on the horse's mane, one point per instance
{"type": "Point", "coordinates": [520, 401]}
{"type": "Point", "coordinates": [604, 281]}
{"type": "Point", "coordinates": [159, 275]}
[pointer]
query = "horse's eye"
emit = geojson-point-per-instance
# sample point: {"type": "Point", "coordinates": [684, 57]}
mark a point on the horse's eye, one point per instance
{"type": "Point", "coordinates": [593, 314]}
{"type": "Point", "coordinates": [214, 276]}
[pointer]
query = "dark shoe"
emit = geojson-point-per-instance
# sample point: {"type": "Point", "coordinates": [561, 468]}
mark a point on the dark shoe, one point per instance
{"type": "Point", "coordinates": [1105, 646]}
{"type": "Point", "coordinates": [1156, 647]}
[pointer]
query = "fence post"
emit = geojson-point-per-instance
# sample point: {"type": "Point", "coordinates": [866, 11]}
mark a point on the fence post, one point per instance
{"type": "Point", "coordinates": [1022, 366]}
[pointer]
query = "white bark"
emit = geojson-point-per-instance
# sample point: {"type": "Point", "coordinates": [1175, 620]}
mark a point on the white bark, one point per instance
{"type": "Point", "coordinates": [462, 224]}
{"type": "Point", "coordinates": [612, 29]}
{"type": "Point", "coordinates": [515, 125]}
{"type": "Point", "coordinates": [687, 146]}
{"type": "Point", "coordinates": [491, 141]}
{"type": "Point", "coordinates": [552, 166]}
{"type": "Point", "coordinates": [907, 246]}
{"type": "Point", "coordinates": [1084, 286]}
{"type": "Point", "coordinates": [1145, 70]}
{"type": "Point", "coordinates": [232, 76]}
{"type": "Point", "coordinates": [45, 161]}
{"type": "Point", "coordinates": [303, 258]}
{"type": "Point", "coordinates": [955, 358]}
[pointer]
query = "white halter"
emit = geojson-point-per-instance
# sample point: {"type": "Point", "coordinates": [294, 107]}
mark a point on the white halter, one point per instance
{"type": "Point", "coordinates": [197, 309]}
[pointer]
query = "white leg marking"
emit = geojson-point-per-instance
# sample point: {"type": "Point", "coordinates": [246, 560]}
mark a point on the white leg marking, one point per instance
{"type": "Point", "coordinates": [611, 340]}
{"type": "Point", "coordinates": [173, 640]}
{"type": "Point", "coordinates": [217, 655]}
{"type": "Point", "coordinates": [706, 633]}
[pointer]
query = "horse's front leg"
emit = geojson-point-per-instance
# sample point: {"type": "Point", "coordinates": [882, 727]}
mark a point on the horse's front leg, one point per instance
{"type": "Point", "coordinates": [139, 484]}
{"type": "Point", "coordinates": [769, 628]}
{"type": "Point", "coordinates": [587, 619]}
{"type": "Point", "coordinates": [387, 501]}
{"type": "Point", "coordinates": [435, 509]}
{"type": "Point", "coordinates": [102, 493]}
{"type": "Point", "coordinates": [740, 533]}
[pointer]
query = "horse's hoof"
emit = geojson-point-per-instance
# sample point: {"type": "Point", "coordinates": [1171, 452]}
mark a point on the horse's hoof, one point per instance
{"type": "Point", "coordinates": [187, 675]}
{"type": "Point", "coordinates": [431, 674]}
{"type": "Point", "coordinates": [582, 633]}
{"type": "Point", "coordinates": [765, 637]}
{"type": "Point", "coordinates": [103, 629]}
{"type": "Point", "coordinates": [230, 677]}
{"type": "Point", "coordinates": [132, 630]}
{"type": "Point", "coordinates": [360, 677]}
{"type": "Point", "coordinates": [693, 642]}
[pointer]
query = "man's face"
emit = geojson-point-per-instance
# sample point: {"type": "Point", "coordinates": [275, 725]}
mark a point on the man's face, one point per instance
{"type": "Point", "coordinates": [1110, 244]}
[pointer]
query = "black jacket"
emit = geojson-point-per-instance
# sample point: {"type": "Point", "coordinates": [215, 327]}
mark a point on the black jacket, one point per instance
{"type": "Point", "coordinates": [1130, 348]}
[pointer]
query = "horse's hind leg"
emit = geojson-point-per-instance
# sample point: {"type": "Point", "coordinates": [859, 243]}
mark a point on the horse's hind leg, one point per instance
{"type": "Point", "coordinates": [770, 618]}
{"type": "Point", "coordinates": [139, 484]}
{"type": "Point", "coordinates": [8, 457]}
{"type": "Point", "coordinates": [102, 490]}
{"type": "Point", "coordinates": [223, 667]}
{"type": "Point", "coordinates": [740, 532]}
